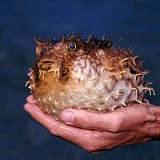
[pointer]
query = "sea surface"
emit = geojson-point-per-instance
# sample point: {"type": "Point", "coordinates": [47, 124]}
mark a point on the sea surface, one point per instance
{"type": "Point", "coordinates": [137, 22]}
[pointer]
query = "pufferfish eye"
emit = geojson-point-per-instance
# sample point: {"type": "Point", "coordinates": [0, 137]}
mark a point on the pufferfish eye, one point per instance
{"type": "Point", "coordinates": [71, 46]}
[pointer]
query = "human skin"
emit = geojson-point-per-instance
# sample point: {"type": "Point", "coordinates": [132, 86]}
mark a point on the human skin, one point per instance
{"type": "Point", "coordinates": [96, 132]}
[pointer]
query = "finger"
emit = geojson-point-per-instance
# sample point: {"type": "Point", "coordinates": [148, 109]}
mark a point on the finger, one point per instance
{"type": "Point", "coordinates": [119, 120]}
{"type": "Point", "coordinates": [88, 120]}
{"type": "Point", "coordinates": [83, 138]}
{"type": "Point", "coordinates": [30, 99]}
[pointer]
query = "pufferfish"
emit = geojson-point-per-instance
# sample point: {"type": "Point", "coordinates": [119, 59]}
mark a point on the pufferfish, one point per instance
{"type": "Point", "coordinates": [87, 74]}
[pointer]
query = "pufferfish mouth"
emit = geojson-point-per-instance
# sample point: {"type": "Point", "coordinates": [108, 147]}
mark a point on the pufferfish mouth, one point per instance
{"type": "Point", "coordinates": [47, 65]}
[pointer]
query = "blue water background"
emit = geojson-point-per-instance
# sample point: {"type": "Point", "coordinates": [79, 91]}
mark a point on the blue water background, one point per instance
{"type": "Point", "coordinates": [136, 21]}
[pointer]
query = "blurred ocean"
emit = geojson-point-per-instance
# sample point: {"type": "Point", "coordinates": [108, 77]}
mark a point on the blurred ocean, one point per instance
{"type": "Point", "coordinates": [136, 21]}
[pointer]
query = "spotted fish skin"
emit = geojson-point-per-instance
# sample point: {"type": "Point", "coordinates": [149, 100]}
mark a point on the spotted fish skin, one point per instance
{"type": "Point", "coordinates": [87, 74]}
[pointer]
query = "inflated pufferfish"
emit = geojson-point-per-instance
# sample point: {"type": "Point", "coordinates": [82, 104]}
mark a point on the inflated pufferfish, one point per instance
{"type": "Point", "coordinates": [85, 74]}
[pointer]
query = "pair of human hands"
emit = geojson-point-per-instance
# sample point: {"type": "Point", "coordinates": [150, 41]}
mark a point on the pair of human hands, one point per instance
{"type": "Point", "coordinates": [95, 132]}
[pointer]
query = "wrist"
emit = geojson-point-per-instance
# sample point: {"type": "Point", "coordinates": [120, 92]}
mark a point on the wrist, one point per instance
{"type": "Point", "coordinates": [154, 127]}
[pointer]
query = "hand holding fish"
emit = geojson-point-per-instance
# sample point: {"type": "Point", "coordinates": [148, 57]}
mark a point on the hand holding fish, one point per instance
{"type": "Point", "coordinates": [96, 132]}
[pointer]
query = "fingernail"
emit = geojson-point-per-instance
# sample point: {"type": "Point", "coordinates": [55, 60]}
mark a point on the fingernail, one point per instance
{"type": "Point", "coordinates": [30, 99]}
{"type": "Point", "coordinates": [26, 108]}
{"type": "Point", "coordinates": [67, 117]}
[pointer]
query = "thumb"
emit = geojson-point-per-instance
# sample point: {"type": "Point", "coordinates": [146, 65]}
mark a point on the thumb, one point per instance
{"type": "Point", "coordinates": [88, 120]}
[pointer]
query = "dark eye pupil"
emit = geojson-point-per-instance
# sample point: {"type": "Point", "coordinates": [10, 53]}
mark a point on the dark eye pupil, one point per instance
{"type": "Point", "coordinates": [72, 46]}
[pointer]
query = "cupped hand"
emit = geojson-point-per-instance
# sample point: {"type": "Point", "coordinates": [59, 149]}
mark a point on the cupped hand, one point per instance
{"type": "Point", "coordinates": [95, 132]}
